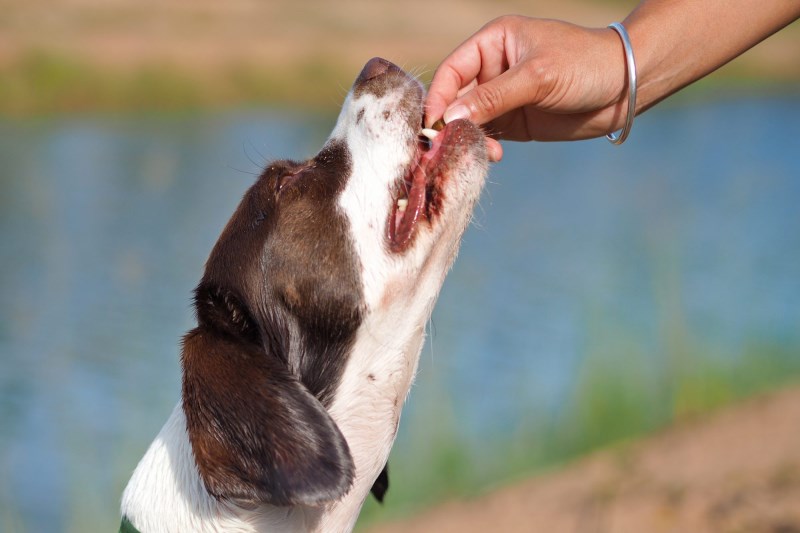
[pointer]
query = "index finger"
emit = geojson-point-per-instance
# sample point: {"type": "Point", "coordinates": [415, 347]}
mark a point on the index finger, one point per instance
{"type": "Point", "coordinates": [446, 83]}
{"type": "Point", "coordinates": [476, 60]}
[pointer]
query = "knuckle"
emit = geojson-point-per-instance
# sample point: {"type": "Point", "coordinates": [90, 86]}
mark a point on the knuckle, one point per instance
{"type": "Point", "coordinates": [543, 80]}
{"type": "Point", "coordinates": [489, 99]}
{"type": "Point", "coordinates": [502, 23]}
{"type": "Point", "coordinates": [508, 20]}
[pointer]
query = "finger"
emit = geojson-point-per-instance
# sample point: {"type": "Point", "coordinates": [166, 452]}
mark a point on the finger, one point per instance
{"type": "Point", "coordinates": [494, 98]}
{"type": "Point", "coordinates": [479, 58]}
{"type": "Point", "coordinates": [446, 84]}
{"type": "Point", "coordinates": [467, 88]}
{"type": "Point", "coordinates": [494, 150]}
{"type": "Point", "coordinates": [530, 124]}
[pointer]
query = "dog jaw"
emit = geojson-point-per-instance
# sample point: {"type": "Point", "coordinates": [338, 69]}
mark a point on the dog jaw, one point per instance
{"type": "Point", "coordinates": [380, 123]}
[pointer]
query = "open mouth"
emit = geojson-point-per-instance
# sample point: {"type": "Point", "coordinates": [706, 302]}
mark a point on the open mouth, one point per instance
{"type": "Point", "coordinates": [418, 196]}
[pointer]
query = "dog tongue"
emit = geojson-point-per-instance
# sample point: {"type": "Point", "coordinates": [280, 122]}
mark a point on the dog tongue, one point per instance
{"type": "Point", "coordinates": [406, 219]}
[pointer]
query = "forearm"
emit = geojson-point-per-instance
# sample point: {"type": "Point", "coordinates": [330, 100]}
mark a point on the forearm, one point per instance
{"type": "Point", "coordinates": [677, 42]}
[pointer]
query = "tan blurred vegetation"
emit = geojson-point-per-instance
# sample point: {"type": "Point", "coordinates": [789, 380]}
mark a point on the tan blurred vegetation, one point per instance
{"type": "Point", "coordinates": [76, 55]}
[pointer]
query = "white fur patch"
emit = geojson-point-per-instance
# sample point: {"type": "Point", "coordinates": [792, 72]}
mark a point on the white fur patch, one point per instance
{"type": "Point", "coordinates": [400, 289]}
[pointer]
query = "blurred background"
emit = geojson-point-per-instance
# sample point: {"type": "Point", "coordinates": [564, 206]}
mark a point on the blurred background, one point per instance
{"type": "Point", "coordinates": [602, 293]}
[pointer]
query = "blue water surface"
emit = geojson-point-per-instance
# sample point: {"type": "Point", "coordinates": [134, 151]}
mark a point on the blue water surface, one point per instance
{"type": "Point", "coordinates": [105, 222]}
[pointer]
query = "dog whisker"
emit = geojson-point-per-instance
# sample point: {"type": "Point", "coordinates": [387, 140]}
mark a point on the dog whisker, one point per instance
{"type": "Point", "coordinates": [242, 171]}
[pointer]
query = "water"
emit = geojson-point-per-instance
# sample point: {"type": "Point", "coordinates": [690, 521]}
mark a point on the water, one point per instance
{"type": "Point", "coordinates": [693, 226]}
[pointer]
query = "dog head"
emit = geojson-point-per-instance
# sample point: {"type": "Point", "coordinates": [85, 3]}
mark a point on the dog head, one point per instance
{"type": "Point", "coordinates": [358, 236]}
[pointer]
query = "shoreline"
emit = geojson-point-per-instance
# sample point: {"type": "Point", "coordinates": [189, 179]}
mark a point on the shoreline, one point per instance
{"type": "Point", "coordinates": [734, 469]}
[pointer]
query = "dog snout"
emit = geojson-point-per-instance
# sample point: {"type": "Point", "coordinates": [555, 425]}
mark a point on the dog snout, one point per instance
{"type": "Point", "coordinates": [380, 76]}
{"type": "Point", "coordinates": [374, 68]}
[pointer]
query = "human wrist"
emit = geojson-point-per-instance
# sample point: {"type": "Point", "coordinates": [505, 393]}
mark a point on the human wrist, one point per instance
{"type": "Point", "coordinates": [652, 85]}
{"type": "Point", "coordinates": [665, 42]}
{"type": "Point", "coordinates": [612, 72]}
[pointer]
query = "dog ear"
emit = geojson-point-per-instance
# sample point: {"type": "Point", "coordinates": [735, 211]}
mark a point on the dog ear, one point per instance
{"type": "Point", "coordinates": [258, 435]}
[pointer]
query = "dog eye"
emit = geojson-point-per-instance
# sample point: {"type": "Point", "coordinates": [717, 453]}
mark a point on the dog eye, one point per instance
{"type": "Point", "coordinates": [288, 178]}
{"type": "Point", "coordinates": [284, 180]}
{"type": "Point", "coordinates": [283, 176]}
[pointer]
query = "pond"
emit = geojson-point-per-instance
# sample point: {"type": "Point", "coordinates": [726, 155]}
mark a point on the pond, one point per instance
{"type": "Point", "coordinates": [597, 286]}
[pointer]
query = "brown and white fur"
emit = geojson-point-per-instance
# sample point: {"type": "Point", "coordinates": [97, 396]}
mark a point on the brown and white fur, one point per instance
{"type": "Point", "coordinates": [311, 317]}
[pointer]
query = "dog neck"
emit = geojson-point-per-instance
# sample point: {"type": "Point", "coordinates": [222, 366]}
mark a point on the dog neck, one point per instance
{"type": "Point", "coordinates": [166, 492]}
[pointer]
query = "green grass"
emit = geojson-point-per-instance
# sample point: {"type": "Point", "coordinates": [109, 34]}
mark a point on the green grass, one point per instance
{"type": "Point", "coordinates": [44, 82]}
{"type": "Point", "coordinates": [47, 83]}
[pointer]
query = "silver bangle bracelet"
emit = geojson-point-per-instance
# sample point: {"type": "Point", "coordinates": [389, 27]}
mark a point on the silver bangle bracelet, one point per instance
{"type": "Point", "coordinates": [631, 74]}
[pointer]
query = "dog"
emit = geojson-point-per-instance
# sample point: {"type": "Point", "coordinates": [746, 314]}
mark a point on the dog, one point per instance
{"type": "Point", "coordinates": [311, 316]}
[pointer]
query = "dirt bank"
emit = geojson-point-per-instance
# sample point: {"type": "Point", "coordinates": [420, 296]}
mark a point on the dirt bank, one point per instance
{"type": "Point", "coordinates": [735, 471]}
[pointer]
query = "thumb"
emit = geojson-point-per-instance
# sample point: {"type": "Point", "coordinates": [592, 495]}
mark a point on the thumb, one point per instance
{"type": "Point", "coordinates": [496, 97]}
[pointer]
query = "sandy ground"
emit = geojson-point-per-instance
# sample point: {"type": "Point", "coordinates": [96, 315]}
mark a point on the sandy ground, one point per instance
{"type": "Point", "coordinates": [737, 471]}
{"type": "Point", "coordinates": [205, 35]}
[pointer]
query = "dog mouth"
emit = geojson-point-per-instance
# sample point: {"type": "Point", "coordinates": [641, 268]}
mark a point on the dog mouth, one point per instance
{"type": "Point", "coordinates": [418, 197]}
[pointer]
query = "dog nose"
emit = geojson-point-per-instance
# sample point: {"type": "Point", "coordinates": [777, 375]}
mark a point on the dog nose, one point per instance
{"type": "Point", "coordinates": [374, 68]}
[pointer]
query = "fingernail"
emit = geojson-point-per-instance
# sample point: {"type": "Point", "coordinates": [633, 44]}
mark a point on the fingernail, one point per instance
{"type": "Point", "coordinates": [455, 113]}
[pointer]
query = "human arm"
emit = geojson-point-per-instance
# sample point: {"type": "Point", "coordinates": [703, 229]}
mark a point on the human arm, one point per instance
{"type": "Point", "coordinates": [527, 78]}
{"type": "Point", "coordinates": [677, 42]}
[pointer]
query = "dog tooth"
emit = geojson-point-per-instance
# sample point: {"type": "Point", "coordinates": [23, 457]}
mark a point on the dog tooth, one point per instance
{"type": "Point", "coordinates": [430, 133]}
{"type": "Point", "coordinates": [438, 125]}
{"type": "Point", "coordinates": [402, 203]}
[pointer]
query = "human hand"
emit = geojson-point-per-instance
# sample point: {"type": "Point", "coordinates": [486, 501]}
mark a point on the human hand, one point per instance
{"type": "Point", "coordinates": [533, 79]}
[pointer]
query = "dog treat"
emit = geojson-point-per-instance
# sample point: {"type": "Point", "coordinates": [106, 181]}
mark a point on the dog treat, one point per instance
{"type": "Point", "coordinates": [438, 125]}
